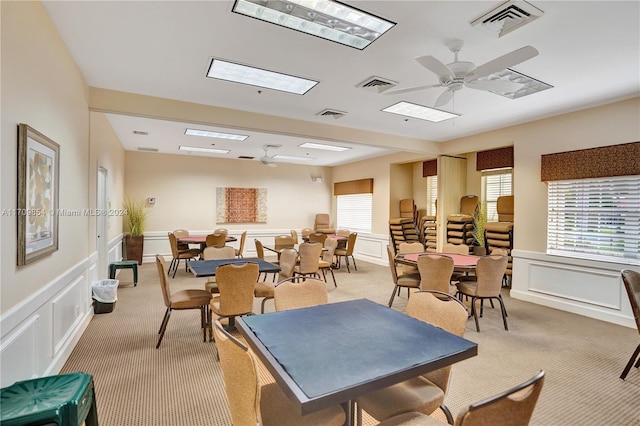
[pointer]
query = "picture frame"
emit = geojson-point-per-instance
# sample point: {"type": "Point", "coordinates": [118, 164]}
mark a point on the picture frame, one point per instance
{"type": "Point", "coordinates": [38, 191]}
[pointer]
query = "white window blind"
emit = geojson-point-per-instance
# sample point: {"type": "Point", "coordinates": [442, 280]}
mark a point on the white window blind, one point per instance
{"type": "Point", "coordinates": [432, 195]}
{"type": "Point", "coordinates": [495, 183]}
{"type": "Point", "coordinates": [354, 212]}
{"type": "Point", "coordinates": [595, 219]}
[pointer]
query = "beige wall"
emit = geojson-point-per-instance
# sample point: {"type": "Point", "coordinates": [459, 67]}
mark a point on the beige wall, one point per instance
{"type": "Point", "coordinates": [42, 87]}
{"type": "Point", "coordinates": [107, 152]}
{"type": "Point", "coordinates": [185, 190]}
{"type": "Point", "coordinates": [611, 124]}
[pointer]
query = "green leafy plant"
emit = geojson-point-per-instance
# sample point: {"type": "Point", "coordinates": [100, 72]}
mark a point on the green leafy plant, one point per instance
{"type": "Point", "coordinates": [136, 216]}
{"type": "Point", "coordinates": [479, 220]}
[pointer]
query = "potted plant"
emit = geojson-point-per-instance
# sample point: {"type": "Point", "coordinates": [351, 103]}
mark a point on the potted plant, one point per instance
{"type": "Point", "coordinates": [479, 220]}
{"type": "Point", "coordinates": [136, 221]}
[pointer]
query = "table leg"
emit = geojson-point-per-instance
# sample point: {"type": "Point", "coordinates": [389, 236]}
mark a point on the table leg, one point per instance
{"type": "Point", "coordinates": [348, 409]}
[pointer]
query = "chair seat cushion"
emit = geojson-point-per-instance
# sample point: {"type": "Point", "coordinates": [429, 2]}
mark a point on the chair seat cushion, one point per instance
{"type": "Point", "coordinates": [189, 299]}
{"type": "Point", "coordinates": [467, 287]}
{"type": "Point", "coordinates": [278, 410]}
{"type": "Point", "coordinates": [412, 419]}
{"type": "Point", "coordinates": [262, 289]}
{"type": "Point", "coordinates": [324, 264]}
{"type": "Point", "coordinates": [417, 394]}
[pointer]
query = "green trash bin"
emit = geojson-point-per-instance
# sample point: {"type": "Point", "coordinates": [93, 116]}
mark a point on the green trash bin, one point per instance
{"type": "Point", "coordinates": [64, 399]}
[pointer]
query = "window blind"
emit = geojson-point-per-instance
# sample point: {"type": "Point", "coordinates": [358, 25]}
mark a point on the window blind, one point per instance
{"type": "Point", "coordinates": [596, 219]}
{"type": "Point", "coordinates": [496, 183]}
{"type": "Point", "coordinates": [432, 194]}
{"type": "Point", "coordinates": [354, 212]}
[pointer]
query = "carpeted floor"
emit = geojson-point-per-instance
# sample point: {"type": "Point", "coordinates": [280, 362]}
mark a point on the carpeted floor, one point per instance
{"type": "Point", "coordinates": [181, 383]}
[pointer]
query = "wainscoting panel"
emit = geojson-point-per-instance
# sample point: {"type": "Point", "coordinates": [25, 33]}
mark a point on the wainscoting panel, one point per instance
{"type": "Point", "coordinates": [19, 352]}
{"type": "Point", "coordinates": [590, 288]}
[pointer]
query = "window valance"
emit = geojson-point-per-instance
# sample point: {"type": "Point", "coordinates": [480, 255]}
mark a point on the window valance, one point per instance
{"type": "Point", "coordinates": [606, 161]}
{"type": "Point", "coordinates": [430, 168]}
{"type": "Point", "coordinates": [494, 158]}
{"type": "Point", "coordinates": [361, 186]}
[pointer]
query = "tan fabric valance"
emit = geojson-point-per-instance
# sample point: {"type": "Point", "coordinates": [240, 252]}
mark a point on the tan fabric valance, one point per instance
{"type": "Point", "coordinates": [606, 161]}
{"type": "Point", "coordinates": [361, 186]}
{"type": "Point", "coordinates": [430, 168]}
{"type": "Point", "coordinates": [494, 158]}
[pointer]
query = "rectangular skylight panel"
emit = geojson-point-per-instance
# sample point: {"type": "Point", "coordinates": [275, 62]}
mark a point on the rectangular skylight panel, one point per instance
{"type": "Point", "coordinates": [327, 19]}
{"type": "Point", "coordinates": [421, 112]}
{"type": "Point", "coordinates": [324, 147]}
{"type": "Point", "coordinates": [219, 135]}
{"type": "Point", "coordinates": [199, 149]}
{"type": "Point", "coordinates": [237, 73]}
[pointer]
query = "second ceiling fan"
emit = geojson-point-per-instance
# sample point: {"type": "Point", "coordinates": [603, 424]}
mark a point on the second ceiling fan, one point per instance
{"type": "Point", "coordinates": [459, 74]}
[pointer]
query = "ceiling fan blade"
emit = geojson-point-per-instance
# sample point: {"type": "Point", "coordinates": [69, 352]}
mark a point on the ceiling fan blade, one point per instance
{"type": "Point", "coordinates": [444, 98]}
{"type": "Point", "coordinates": [505, 61]}
{"type": "Point", "coordinates": [409, 89]}
{"type": "Point", "coordinates": [500, 86]}
{"type": "Point", "coordinates": [435, 66]}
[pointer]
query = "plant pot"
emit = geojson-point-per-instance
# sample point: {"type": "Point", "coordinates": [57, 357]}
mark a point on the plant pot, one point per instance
{"type": "Point", "coordinates": [479, 251]}
{"type": "Point", "coordinates": [134, 247]}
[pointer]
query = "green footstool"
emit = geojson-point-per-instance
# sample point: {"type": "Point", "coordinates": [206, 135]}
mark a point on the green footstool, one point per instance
{"type": "Point", "coordinates": [64, 400]}
{"type": "Point", "coordinates": [124, 264]}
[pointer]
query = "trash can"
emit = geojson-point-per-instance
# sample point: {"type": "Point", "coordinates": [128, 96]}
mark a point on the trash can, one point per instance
{"type": "Point", "coordinates": [105, 294]}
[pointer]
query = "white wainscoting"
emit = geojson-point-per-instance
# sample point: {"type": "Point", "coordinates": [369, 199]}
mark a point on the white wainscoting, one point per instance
{"type": "Point", "coordinates": [40, 332]}
{"type": "Point", "coordinates": [590, 288]}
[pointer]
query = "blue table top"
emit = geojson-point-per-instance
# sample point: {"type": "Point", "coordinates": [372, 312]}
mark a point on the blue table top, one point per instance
{"type": "Point", "coordinates": [207, 268]}
{"type": "Point", "coordinates": [340, 346]}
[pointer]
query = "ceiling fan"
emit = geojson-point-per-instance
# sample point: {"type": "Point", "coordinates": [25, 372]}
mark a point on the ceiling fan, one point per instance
{"type": "Point", "coordinates": [267, 160]}
{"type": "Point", "coordinates": [459, 74]}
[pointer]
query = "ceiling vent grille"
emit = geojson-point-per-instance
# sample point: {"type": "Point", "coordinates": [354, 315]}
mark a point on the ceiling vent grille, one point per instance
{"type": "Point", "coordinates": [508, 17]}
{"type": "Point", "coordinates": [245, 157]}
{"type": "Point", "coordinates": [142, 148]}
{"type": "Point", "coordinates": [377, 84]}
{"type": "Point", "coordinates": [140, 132]}
{"type": "Point", "coordinates": [333, 113]}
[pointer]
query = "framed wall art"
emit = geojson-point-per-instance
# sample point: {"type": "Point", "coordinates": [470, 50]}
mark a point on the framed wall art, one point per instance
{"type": "Point", "coordinates": [241, 205]}
{"type": "Point", "coordinates": [38, 183]}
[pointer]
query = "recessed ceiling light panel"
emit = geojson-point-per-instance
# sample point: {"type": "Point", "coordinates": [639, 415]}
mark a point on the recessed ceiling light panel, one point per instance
{"type": "Point", "coordinates": [421, 112]}
{"type": "Point", "coordinates": [199, 149]}
{"type": "Point", "coordinates": [323, 147]}
{"type": "Point", "coordinates": [238, 73]}
{"type": "Point", "coordinates": [529, 84]}
{"type": "Point", "coordinates": [326, 19]}
{"type": "Point", "coordinates": [292, 158]}
{"type": "Point", "coordinates": [219, 135]}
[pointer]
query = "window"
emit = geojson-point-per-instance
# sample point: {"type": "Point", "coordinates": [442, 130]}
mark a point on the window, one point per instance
{"type": "Point", "coordinates": [354, 212]}
{"type": "Point", "coordinates": [495, 183]}
{"type": "Point", "coordinates": [432, 195]}
{"type": "Point", "coordinates": [595, 219]}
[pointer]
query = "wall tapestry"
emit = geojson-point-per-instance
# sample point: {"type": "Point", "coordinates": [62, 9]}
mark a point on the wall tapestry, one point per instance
{"type": "Point", "coordinates": [241, 205]}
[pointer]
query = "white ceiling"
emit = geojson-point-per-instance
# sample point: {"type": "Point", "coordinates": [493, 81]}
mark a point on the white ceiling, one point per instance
{"type": "Point", "coordinates": [589, 52]}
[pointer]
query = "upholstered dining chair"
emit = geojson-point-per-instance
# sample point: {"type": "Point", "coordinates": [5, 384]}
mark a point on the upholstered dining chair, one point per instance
{"type": "Point", "coordinates": [260, 255]}
{"type": "Point", "coordinates": [322, 223]}
{"type": "Point", "coordinates": [211, 253]}
{"type": "Point", "coordinates": [305, 232]}
{"type": "Point", "coordinates": [318, 237]}
{"type": "Point", "coordinates": [308, 260]}
{"type": "Point", "coordinates": [435, 272]}
{"type": "Point", "coordinates": [513, 407]}
{"type": "Point", "coordinates": [181, 300]}
{"type": "Point", "coordinates": [179, 255]}
{"type": "Point", "coordinates": [251, 403]}
{"type": "Point", "coordinates": [283, 241]}
{"type": "Point", "coordinates": [503, 252]}
{"type": "Point", "coordinates": [294, 235]}
{"type": "Point", "coordinates": [236, 283]}
{"type": "Point", "coordinates": [455, 248]}
{"type": "Point", "coordinates": [240, 249]}
{"type": "Point", "coordinates": [293, 294]}
{"type": "Point", "coordinates": [181, 233]}
{"type": "Point", "coordinates": [348, 251]}
{"type": "Point", "coordinates": [408, 281]}
{"type": "Point", "coordinates": [409, 247]}
{"type": "Point", "coordinates": [424, 393]}
{"type": "Point", "coordinates": [631, 280]}
{"type": "Point", "coordinates": [489, 272]}
{"type": "Point", "coordinates": [288, 259]}
{"type": "Point", "coordinates": [327, 263]}
{"type": "Point", "coordinates": [216, 239]}
{"type": "Point", "coordinates": [223, 231]}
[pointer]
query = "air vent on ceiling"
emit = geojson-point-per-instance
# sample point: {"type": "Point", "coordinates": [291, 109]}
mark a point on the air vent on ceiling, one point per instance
{"type": "Point", "coordinates": [140, 132]}
{"type": "Point", "coordinates": [508, 17]}
{"type": "Point", "coordinates": [142, 148]}
{"type": "Point", "coordinates": [377, 84]}
{"type": "Point", "coordinates": [245, 157]}
{"type": "Point", "coordinates": [333, 113]}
